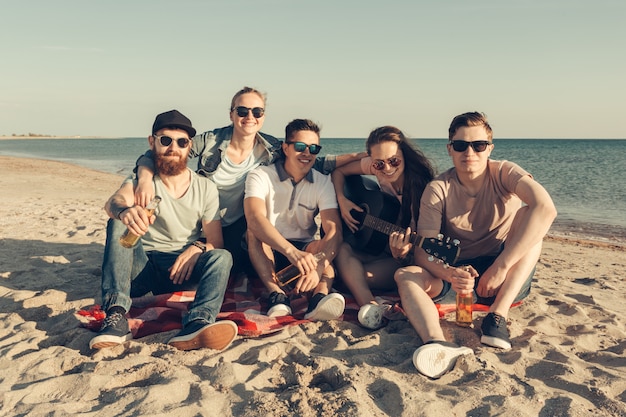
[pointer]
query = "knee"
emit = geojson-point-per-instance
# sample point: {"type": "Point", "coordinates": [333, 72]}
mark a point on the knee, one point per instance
{"type": "Point", "coordinates": [115, 229]}
{"type": "Point", "coordinates": [221, 258]}
{"type": "Point", "coordinates": [407, 274]}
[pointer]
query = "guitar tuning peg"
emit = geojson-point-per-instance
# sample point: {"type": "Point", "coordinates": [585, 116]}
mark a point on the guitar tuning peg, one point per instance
{"type": "Point", "coordinates": [431, 258]}
{"type": "Point", "coordinates": [456, 242]}
{"type": "Point", "coordinates": [440, 236]}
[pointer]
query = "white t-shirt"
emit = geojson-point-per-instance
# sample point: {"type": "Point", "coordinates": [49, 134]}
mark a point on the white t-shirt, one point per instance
{"type": "Point", "coordinates": [291, 208]}
{"type": "Point", "coordinates": [230, 179]}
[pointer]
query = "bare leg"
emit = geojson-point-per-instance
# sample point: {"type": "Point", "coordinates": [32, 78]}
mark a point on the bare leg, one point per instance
{"type": "Point", "coordinates": [361, 275]}
{"type": "Point", "coordinates": [416, 286]}
{"type": "Point", "coordinates": [262, 259]}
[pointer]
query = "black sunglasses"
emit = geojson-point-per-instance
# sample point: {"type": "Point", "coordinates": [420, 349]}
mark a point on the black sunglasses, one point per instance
{"type": "Point", "coordinates": [477, 145]}
{"type": "Point", "coordinates": [301, 146]}
{"type": "Point", "coordinates": [393, 162]}
{"type": "Point", "coordinates": [243, 111]}
{"type": "Point", "coordinates": [167, 141]}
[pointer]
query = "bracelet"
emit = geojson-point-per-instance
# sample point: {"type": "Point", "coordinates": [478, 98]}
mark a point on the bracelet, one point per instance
{"type": "Point", "coordinates": [200, 246]}
{"type": "Point", "coordinates": [120, 211]}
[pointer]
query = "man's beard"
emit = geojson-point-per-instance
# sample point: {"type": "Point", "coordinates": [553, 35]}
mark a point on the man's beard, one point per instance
{"type": "Point", "coordinates": [170, 167]}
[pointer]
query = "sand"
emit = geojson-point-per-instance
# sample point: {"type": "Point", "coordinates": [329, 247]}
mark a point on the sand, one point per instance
{"type": "Point", "coordinates": [567, 358]}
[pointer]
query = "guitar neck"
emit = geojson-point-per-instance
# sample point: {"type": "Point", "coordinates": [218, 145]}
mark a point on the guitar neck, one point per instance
{"type": "Point", "coordinates": [387, 228]}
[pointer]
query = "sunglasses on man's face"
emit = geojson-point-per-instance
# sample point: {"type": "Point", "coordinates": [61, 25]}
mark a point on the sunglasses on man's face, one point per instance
{"type": "Point", "coordinates": [301, 147]}
{"type": "Point", "coordinates": [243, 111]}
{"type": "Point", "coordinates": [393, 162]}
{"type": "Point", "coordinates": [167, 141]}
{"type": "Point", "coordinates": [477, 145]}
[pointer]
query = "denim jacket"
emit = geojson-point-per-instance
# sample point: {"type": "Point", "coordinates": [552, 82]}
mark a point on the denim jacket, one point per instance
{"type": "Point", "coordinates": [208, 148]}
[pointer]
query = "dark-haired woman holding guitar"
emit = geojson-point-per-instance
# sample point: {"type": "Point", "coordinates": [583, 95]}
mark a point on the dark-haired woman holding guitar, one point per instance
{"type": "Point", "coordinates": [402, 172]}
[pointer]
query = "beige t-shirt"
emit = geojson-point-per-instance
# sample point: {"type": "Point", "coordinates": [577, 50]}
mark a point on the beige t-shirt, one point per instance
{"type": "Point", "coordinates": [480, 223]}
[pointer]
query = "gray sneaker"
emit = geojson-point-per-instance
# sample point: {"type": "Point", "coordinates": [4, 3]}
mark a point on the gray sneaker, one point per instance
{"type": "Point", "coordinates": [495, 331]}
{"type": "Point", "coordinates": [114, 331]}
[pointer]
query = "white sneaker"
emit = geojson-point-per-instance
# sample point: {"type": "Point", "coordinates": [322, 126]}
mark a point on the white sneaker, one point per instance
{"type": "Point", "coordinates": [435, 358]}
{"type": "Point", "coordinates": [371, 316]}
{"type": "Point", "coordinates": [279, 305]}
{"type": "Point", "coordinates": [279, 310]}
{"type": "Point", "coordinates": [330, 307]}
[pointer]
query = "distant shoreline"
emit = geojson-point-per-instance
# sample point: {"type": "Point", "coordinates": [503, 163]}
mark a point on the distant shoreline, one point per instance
{"type": "Point", "coordinates": [4, 137]}
{"type": "Point", "coordinates": [52, 137]}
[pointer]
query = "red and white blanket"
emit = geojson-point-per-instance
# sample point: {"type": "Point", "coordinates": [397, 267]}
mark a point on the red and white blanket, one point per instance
{"type": "Point", "coordinates": [245, 303]}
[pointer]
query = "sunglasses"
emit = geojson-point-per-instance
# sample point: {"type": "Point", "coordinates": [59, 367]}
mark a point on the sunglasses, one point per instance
{"type": "Point", "coordinates": [393, 162]}
{"type": "Point", "coordinates": [243, 111]}
{"type": "Point", "coordinates": [478, 145]}
{"type": "Point", "coordinates": [167, 141]}
{"type": "Point", "coordinates": [301, 147]}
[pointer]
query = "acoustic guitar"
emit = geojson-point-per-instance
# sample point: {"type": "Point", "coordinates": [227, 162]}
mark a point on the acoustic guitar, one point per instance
{"type": "Point", "coordinates": [377, 222]}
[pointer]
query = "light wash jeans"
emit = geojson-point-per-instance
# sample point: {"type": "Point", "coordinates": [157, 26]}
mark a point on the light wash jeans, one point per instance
{"type": "Point", "coordinates": [128, 273]}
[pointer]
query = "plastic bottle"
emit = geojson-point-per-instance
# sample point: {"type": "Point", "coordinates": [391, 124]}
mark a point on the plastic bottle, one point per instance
{"type": "Point", "coordinates": [129, 239]}
{"type": "Point", "coordinates": [286, 277]}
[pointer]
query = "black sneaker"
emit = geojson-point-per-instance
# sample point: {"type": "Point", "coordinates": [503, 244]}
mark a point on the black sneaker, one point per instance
{"type": "Point", "coordinates": [495, 331]}
{"type": "Point", "coordinates": [114, 331]}
{"type": "Point", "coordinates": [278, 305]}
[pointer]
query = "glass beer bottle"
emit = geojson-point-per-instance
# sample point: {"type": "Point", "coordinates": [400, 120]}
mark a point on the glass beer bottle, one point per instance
{"type": "Point", "coordinates": [129, 239]}
{"type": "Point", "coordinates": [464, 309]}
{"type": "Point", "coordinates": [286, 277]}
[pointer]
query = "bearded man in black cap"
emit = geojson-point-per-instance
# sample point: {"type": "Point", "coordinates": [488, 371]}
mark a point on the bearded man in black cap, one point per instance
{"type": "Point", "coordinates": [181, 246]}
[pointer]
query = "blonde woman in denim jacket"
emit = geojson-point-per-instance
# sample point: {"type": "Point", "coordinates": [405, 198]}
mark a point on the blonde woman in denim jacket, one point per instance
{"type": "Point", "coordinates": [226, 155]}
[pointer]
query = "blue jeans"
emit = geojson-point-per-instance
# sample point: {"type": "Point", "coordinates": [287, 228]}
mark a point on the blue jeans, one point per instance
{"type": "Point", "coordinates": [128, 273]}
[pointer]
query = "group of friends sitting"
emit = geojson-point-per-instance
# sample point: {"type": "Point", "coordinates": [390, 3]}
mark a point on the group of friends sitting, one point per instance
{"type": "Point", "coordinates": [256, 204]}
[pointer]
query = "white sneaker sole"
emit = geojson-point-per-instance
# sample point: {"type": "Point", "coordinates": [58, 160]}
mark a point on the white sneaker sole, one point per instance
{"type": "Point", "coordinates": [107, 340]}
{"type": "Point", "coordinates": [329, 308]}
{"type": "Point", "coordinates": [495, 342]}
{"type": "Point", "coordinates": [435, 359]}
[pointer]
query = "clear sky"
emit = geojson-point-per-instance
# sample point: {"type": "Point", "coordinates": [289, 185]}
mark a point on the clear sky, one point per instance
{"type": "Point", "coordinates": [537, 68]}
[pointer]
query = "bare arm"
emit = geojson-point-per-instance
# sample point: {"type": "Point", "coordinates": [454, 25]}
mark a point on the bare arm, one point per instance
{"type": "Point", "coordinates": [534, 224]}
{"type": "Point", "coordinates": [263, 230]}
{"type": "Point", "coordinates": [121, 206]}
{"type": "Point", "coordinates": [347, 158]}
{"type": "Point", "coordinates": [462, 280]}
{"type": "Point", "coordinates": [144, 192]}
{"type": "Point", "coordinates": [345, 205]}
{"type": "Point", "coordinates": [331, 223]}
{"type": "Point", "coordinates": [183, 267]}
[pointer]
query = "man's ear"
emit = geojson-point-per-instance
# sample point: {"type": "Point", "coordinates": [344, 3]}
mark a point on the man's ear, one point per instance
{"type": "Point", "coordinates": [151, 141]}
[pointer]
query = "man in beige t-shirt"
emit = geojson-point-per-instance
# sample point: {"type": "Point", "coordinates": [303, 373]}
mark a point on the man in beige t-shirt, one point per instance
{"type": "Point", "coordinates": [500, 215]}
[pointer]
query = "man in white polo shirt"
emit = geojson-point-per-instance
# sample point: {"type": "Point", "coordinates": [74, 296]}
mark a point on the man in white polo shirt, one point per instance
{"type": "Point", "coordinates": [281, 203]}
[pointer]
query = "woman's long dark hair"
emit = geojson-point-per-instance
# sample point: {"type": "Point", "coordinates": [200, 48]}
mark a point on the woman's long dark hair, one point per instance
{"type": "Point", "coordinates": [418, 171]}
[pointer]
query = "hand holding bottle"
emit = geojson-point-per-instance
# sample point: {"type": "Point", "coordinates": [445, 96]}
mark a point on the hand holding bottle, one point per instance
{"type": "Point", "coordinates": [288, 277]}
{"type": "Point", "coordinates": [137, 220]}
{"type": "Point", "coordinates": [465, 296]}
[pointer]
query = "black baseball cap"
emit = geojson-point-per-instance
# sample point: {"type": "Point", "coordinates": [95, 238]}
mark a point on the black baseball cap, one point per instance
{"type": "Point", "coordinates": [175, 119]}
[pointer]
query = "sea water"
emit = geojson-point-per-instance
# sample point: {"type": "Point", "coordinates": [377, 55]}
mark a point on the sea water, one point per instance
{"type": "Point", "coordinates": [585, 177]}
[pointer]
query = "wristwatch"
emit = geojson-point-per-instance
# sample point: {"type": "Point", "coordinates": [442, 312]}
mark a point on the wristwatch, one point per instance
{"type": "Point", "coordinates": [200, 245]}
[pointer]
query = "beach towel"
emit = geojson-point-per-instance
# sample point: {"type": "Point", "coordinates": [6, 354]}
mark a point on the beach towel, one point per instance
{"type": "Point", "coordinates": [245, 303]}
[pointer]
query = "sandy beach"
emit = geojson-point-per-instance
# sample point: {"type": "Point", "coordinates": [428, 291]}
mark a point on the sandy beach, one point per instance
{"type": "Point", "coordinates": [568, 356]}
